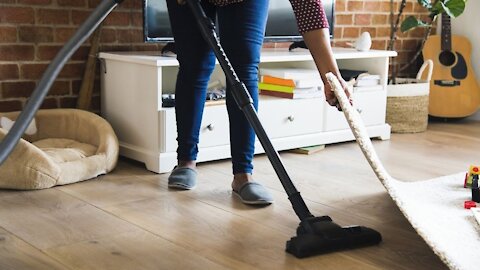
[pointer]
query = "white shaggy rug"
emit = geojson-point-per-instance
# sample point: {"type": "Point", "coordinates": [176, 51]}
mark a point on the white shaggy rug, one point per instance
{"type": "Point", "coordinates": [433, 207]}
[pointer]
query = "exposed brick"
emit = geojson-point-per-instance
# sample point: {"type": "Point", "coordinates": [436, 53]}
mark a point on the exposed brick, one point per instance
{"type": "Point", "coordinates": [35, 2]}
{"type": "Point", "coordinates": [363, 19]}
{"type": "Point", "coordinates": [158, 47]}
{"type": "Point", "coordinates": [379, 44]}
{"type": "Point", "coordinates": [355, 5]}
{"type": "Point", "coordinates": [68, 102]}
{"type": "Point", "coordinates": [116, 48]}
{"type": "Point", "coordinates": [418, 8]}
{"type": "Point", "coordinates": [137, 19]}
{"type": "Point", "coordinates": [10, 106]}
{"type": "Point", "coordinates": [397, 46]}
{"type": "Point", "coordinates": [76, 84]}
{"type": "Point", "coordinates": [35, 34]}
{"type": "Point", "coordinates": [17, 15]}
{"type": "Point", "coordinates": [81, 54]}
{"type": "Point", "coordinates": [129, 36]}
{"type": "Point", "coordinates": [131, 4]}
{"type": "Point", "coordinates": [8, 72]}
{"type": "Point", "coordinates": [379, 19]}
{"type": "Point", "coordinates": [72, 71]}
{"type": "Point", "coordinates": [63, 34]}
{"type": "Point", "coordinates": [417, 32]}
{"type": "Point", "coordinates": [351, 32]}
{"type": "Point", "coordinates": [340, 5]}
{"type": "Point", "coordinates": [32, 71]}
{"type": "Point", "coordinates": [408, 7]}
{"type": "Point", "coordinates": [338, 32]}
{"type": "Point", "coordinates": [79, 16]}
{"type": "Point", "coordinates": [17, 89]}
{"type": "Point", "coordinates": [47, 52]}
{"type": "Point", "coordinates": [60, 88]}
{"type": "Point", "coordinates": [122, 31]}
{"type": "Point", "coordinates": [372, 6]}
{"type": "Point", "coordinates": [345, 19]}
{"type": "Point", "coordinates": [410, 45]}
{"type": "Point", "coordinates": [16, 52]}
{"type": "Point", "coordinates": [72, 3]}
{"type": "Point", "coordinates": [384, 6]}
{"type": "Point", "coordinates": [49, 103]}
{"type": "Point", "coordinates": [118, 19]}
{"type": "Point", "coordinates": [53, 16]}
{"type": "Point", "coordinates": [93, 3]}
{"type": "Point", "coordinates": [383, 32]}
{"type": "Point", "coordinates": [108, 35]}
{"type": "Point", "coordinates": [8, 34]}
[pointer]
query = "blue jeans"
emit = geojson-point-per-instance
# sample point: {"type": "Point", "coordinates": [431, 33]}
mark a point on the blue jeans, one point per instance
{"type": "Point", "coordinates": [242, 27]}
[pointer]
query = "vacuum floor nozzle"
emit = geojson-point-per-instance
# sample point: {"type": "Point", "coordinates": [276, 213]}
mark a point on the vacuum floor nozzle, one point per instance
{"type": "Point", "coordinates": [319, 235]}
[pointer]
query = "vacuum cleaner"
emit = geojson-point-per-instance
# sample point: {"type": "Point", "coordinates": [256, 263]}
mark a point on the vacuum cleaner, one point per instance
{"type": "Point", "coordinates": [315, 235]}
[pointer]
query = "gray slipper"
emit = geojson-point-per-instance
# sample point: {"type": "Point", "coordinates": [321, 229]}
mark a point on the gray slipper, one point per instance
{"type": "Point", "coordinates": [182, 178]}
{"type": "Point", "coordinates": [254, 193]}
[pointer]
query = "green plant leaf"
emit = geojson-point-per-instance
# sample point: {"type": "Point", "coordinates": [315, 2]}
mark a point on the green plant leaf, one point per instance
{"type": "Point", "coordinates": [411, 22]}
{"type": "Point", "coordinates": [425, 3]}
{"type": "Point", "coordinates": [437, 7]}
{"type": "Point", "coordinates": [454, 8]}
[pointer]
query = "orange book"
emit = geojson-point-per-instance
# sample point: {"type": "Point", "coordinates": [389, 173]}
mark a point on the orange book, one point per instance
{"type": "Point", "coordinates": [277, 81]}
{"type": "Point", "coordinates": [315, 94]}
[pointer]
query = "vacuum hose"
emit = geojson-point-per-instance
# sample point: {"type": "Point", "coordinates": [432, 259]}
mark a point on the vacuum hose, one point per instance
{"type": "Point", "coordinates": [86, 29]}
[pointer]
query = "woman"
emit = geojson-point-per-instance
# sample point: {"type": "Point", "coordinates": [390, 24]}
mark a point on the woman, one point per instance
{"type": "Point", "coordinates": [242, 26]}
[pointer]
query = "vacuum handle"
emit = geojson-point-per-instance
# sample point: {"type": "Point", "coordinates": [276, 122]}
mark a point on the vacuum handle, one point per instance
{"type": "Point", "coordinates": [244, 101]}
{"type": "Point", "coordinates": [84, 31]}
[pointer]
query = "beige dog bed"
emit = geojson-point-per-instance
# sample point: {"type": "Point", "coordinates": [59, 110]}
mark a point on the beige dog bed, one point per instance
{"type": "Point", "coordinates": [63, 146]}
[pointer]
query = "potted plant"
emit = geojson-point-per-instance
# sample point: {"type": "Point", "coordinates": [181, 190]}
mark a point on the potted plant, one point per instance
{"type": "Point", "coordinates": [407, 98]}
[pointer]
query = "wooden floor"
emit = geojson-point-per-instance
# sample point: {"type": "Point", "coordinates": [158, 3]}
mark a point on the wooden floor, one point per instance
{"type": "Point", "coordinates": [128, 219]}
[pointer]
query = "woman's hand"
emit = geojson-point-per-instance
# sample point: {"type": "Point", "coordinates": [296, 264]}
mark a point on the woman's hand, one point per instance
{"type": "Point", "coordinates": [318, 42]}
{"type": "Point", "coordinates": [330, 95]}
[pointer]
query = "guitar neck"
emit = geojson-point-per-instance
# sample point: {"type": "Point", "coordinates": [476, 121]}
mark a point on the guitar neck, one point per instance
{"type": "Point", "coordinates": [446, 33]}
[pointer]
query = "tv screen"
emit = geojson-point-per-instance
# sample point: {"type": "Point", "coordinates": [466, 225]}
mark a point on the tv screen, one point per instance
{"type": "Point", "coordinates": [281, 23]}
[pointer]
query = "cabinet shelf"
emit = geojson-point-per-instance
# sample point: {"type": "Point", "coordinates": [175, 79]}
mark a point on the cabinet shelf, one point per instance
{"type": "Point", "coordinates": [132, 84]}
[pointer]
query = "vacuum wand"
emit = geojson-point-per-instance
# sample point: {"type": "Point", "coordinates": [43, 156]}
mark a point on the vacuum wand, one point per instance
{"type": "Point", "coordinates": [244, 101]}
{"type": "Point", "coordinates": [315, 235]}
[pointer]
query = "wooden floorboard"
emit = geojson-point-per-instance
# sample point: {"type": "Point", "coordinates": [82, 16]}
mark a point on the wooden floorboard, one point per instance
{"type": "Point", "coordinates": [129, 219]}
{"type": "Point", "coordinates": [17, 254]}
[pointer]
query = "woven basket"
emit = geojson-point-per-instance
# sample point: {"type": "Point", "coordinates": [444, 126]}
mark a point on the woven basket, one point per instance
{"type": "Point", "coordinates": [407, 103]}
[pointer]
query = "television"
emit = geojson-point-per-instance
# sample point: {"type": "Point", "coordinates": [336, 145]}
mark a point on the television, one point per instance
{"type": "Point", "coordinates": [281, 23]}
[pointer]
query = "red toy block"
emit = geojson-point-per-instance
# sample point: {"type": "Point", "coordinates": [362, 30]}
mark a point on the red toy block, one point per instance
{"type": "Point", "coordinates": [469, 204]}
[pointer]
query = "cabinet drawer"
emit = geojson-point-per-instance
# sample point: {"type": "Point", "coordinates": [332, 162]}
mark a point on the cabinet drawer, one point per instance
{"type": "Point", "coordinates": [214, 129]}
{"type": "Point", "coordinates": [370, 104]}
{"type": "Point", "coordinates": [289, 117]}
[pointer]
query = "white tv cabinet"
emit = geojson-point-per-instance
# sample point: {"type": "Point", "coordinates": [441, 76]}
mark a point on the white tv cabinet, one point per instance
{"type": "Point", "coordinates": [132, 84]}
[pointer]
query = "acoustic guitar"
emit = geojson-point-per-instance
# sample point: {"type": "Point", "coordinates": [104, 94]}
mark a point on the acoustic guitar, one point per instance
{"type": "Point", "coordinates": [454, 91]}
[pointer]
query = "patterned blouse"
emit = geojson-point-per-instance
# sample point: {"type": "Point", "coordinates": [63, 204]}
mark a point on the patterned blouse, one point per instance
{"type": "Point", "coordinates": [309, 13]}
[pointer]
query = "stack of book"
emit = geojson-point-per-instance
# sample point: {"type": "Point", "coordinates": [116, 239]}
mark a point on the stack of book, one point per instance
{"type": "Point", "coordinates": [290, 83]}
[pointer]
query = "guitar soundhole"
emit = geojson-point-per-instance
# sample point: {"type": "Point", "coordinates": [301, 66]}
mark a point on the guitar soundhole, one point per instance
{"type": "Point", "coordinates": [447, 58]}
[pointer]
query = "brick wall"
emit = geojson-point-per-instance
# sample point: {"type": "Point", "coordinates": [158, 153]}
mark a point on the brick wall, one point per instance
{"type": "Point", "coordinates": [33, 31]}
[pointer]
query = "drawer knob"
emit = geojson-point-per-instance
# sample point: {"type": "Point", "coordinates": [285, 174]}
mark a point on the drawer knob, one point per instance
{"type": "Point", "coordinates": [291, 118]}
{"type": "Point", "coordinates": [210, 127]}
